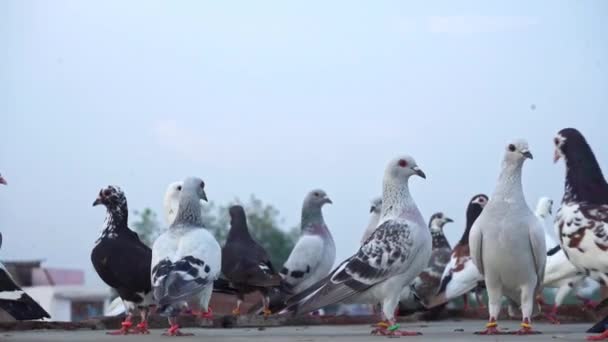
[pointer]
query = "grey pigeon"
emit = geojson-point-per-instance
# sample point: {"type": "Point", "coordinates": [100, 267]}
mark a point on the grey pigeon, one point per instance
{"type": "Point", "coordinates": [374, 210]}
{"type": "Point", "coordinates": [245, 263]}
{"type": "Point", "coordinates": [186, 259]}
{"type": "Point", "coordinates": [581, 223]}
{"type": "Point", "coordinates": [315, 252]}
{"type": "Point", "coordinates": [390, 259]}
{"type": "Point", "coordinates": [508, 243]}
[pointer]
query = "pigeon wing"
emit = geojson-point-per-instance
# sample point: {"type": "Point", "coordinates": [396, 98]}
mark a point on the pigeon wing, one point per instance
{"type": "Point", "coordinates": [385, 254]}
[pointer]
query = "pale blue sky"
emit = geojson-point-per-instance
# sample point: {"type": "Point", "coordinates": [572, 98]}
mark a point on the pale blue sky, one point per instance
{"type": "Point", "coordinates": [276, 98]}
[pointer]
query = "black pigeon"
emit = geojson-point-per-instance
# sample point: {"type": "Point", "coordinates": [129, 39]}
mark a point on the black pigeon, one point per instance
{"type": "Point", "coordinates": [123, 261]}
{"type": "Point", "coordinates": [582, 220]}
{"type": "Point", "coordinates": [245, 263]}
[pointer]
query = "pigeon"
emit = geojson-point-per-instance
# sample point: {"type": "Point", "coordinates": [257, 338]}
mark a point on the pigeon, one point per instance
{"type": "Point", "coordinates": [581, 222]}
{"type": "Point", "coordinates": [460, 275]}
{"type": "Point", "coordinates": [122, 261]}
{"type": "Point", "coordinates": [315, 252]}
{"type": "Point", "coordinates": [374, 210]}
{"type": "Point", "coordinates": [171, 201]}
{"type": "Point", "coordinates": [245, 263]}
{"type": "Point", "coordinates": [560, 273]}
{"type": "Point", "coordinates": [396, 252]}
{"type": "Point", "coordinates": [427, 282]}
{"type": "Point", "coordinates": [13, 300]}
{"type": "Point", "coordinates": [186, 259]}
{"type": "Point", "coordinates": [508, 244]}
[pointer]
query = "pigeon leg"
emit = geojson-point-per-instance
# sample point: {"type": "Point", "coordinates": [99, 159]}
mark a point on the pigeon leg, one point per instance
{"type": "Point", "coordinates": [479, 300]}
{"type": "Point", "coordinates": [465, 299]}
{"type": "Point", "coordinates": [266, 311]}
{"type": "Point", "coordinates": [207, 314]}
{"type": "Point", "coordinates": [494, 303]}
{"type": "Point", "coordinates": [527, 306]}
{"type": "Point", "coordinates": [588, 303]}
{"type": "Point", "coordinates": [125, 327]}
{"type": "Point", "coordinates": [174, 329]}
{"type": "Point", "coordinates": [237, 310]}
{"type": "Point", "coordinates": [142, 327]}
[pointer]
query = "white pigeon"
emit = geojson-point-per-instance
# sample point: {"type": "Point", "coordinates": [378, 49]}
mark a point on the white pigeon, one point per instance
{"type": "Point", "coordinates": [186, 259]}
{"type": "Point", "coordinates": [171, 201]}
{"type": "Point", "coordinates": [314, 254]}
{"type": "Point", "coordinates": [508, 244]}
{"type": "Point", "coordinates": [390, 259]}
{"type": "Point", "coordinates": [374, 210]}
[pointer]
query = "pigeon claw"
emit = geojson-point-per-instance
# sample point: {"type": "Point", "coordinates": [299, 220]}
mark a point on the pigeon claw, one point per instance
{"type": "Point", "coordinates": [142, 328]}
{"type": "Point", "coordinates": [394, 331]}
{"type": "Point", "coordinates": [174, 331]}
{"type": "Point", "coordinates": [491, 329]}
{"type": "Point", "coordinates": [601, 337]}
{"type": "Point", "coordinates": [526, 329]}
{"type": "Point", "coordinates": [124, 330]}
{"type": "Point", "coordinates": [236, 312]}
{"type": "Point", "coordinates": [267, 312]}
{"type": "Point", "coordinates": [552, 318]}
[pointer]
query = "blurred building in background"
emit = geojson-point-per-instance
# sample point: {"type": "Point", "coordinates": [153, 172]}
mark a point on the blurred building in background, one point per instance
{"type": "Point", "coordinates": [61, 292]}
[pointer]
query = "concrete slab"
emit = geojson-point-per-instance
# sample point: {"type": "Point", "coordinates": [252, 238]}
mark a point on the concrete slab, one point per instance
{"type": "Point", "coordinates": [435, 331]}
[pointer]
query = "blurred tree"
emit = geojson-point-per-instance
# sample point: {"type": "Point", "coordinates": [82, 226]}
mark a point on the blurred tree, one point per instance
{"type": "Point", "coordinates": [146, 226]}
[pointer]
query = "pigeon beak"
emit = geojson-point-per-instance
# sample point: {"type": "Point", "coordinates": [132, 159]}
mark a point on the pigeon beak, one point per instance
{"type": "Point", "coordinates": [3, 181]}
{"type": "Point", "coordinates": [527, 154]}
{"type": "Point", "coordinates": [327, 200]}
{"type": "Point", "coordinates": [556, 156]}
{"type": "Point", "coordinates": [371, 209]}
{"type": "Point", "coordinates": [97, 201]}
{"type": "Point", "coordinates": [419, 172]}
{"type": "Point", "coordinates": [448, 220]}
{"type": "Point", "coordinates": [204, 197]}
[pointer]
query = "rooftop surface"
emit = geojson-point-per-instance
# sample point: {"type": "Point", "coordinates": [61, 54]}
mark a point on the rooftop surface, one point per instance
{"type": "Point", "coordinates": [432, 331]}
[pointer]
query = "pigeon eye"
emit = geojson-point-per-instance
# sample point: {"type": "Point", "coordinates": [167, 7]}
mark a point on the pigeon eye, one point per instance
{"type": "Point", "coordinates": [511, 147]}
{"type": "Point", "coordinates": [202, 185]}
{"type": "Point", "coordinates": [317, 194]}
{"type": "Point", "coordinates": [107, 192]}
{"type": "Point", "coordinates": [402, 163]}
{"type": "Point", "coordinates": [179, 188]}
{"type": "Point", "coordinates": [556, 141]}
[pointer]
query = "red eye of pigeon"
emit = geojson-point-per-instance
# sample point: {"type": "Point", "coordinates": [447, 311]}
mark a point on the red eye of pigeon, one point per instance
{"type": "Point", "coordinates": [402, 163]}
{"type": "Point", "coordinates": [107, 192]}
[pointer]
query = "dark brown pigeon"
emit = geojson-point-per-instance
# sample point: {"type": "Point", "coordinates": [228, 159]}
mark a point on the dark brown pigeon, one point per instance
{"type": "Point", "coordinates": [245, 263]}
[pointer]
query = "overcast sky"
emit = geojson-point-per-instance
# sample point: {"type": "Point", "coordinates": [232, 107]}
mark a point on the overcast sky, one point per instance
{"type": "Point", "coordinates": [275, 98]}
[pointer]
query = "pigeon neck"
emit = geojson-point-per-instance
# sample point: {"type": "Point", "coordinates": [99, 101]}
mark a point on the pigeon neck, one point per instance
{"type": "Point", "coordinates": [439, 239]}
{"type": "Point", "coordinates": [398, 203]}
{"type": "Point", "coordinates": [472, 214]}
{"type": "Point", "coordinates": [584, 179]}
{"type": "Point", "coordinates": [509, 185]}
{"type": "Point", "coordinates": [189, 212]}
{"type": "Point", "coordinates": [116, 220]}
{"type": "Point", "coordinates": [238, 229]}
{"type": "Point", "coordinates": [312, 220]}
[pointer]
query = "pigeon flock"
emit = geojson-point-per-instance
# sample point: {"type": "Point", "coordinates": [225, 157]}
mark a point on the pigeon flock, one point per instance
{"type": "Point", "coordinates": [506, 250]}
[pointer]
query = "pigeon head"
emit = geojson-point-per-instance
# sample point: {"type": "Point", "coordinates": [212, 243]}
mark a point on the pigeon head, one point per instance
{"type": "Point", "coordinates": [376, 206]}
{"type": "Point", "coordinates": [478, 200]}
{"type": "Point", "coordinates": [237, 213]}
{"type": "Point", "coordinates": [517, 151]}
{"type": "Point", "coordinates": [584, 178]}
{"type": "Point", "coordinates": [316, 199]}
{"type": "Point", "coordinates": [544, 207]}
{"type": "Point", "coordinates": [2, 180]}
{"type": "Point", "coordinates": [194, 187]}
{"type": "Point", "coordinates": [474, 209]}
{"type": "Point", "coordinates": [111, 197]}
{"type": "Point", "coordinates": [402, 168]}
{"type": "Point", "coordinates": [171, 201]}
{"type": "Point", "coordinates": [438, 220]}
